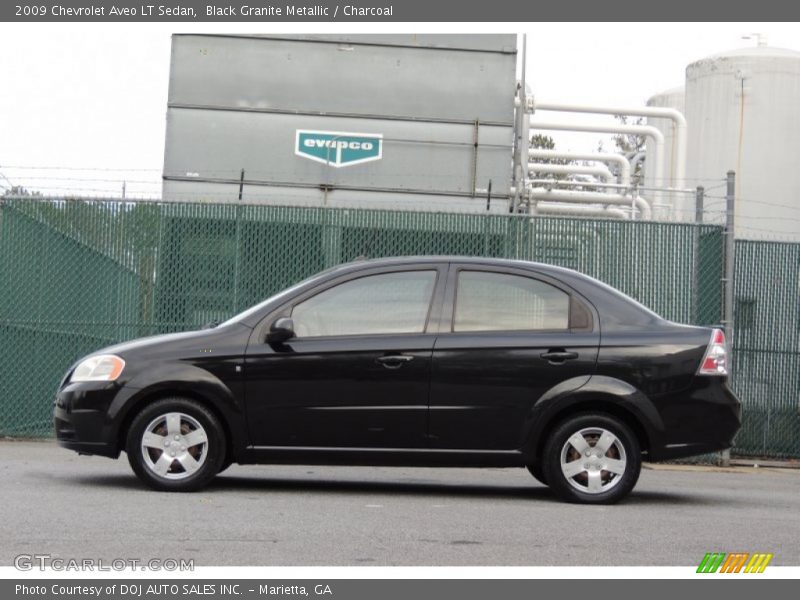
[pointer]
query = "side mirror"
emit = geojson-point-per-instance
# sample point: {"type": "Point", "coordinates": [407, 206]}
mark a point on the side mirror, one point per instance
{"type": "Point", "coordinates": [281, 330]}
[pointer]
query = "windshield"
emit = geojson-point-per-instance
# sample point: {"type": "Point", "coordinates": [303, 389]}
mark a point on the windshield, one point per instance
{"type": "Point", "coordinates": [242, 316]}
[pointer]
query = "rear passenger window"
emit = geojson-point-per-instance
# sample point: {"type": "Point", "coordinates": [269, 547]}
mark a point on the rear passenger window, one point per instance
{"type": "Point", "coordinates": [502, 302]}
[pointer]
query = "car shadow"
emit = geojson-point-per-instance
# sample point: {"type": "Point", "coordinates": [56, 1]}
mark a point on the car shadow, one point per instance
{"type": "Point", "coordinates": [384, 487]}
{"type": "Point", "coordinates": [533, 491]}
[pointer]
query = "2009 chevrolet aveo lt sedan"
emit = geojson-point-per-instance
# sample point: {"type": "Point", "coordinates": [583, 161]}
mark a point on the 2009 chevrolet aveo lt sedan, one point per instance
{"type": "Point", "coordinates": [438, 361]}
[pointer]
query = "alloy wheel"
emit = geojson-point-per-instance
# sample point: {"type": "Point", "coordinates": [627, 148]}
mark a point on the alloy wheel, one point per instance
{"type": "Point", "coordinates": [593, 460]}
{"type": "Point", "coordinates": [174, 445]}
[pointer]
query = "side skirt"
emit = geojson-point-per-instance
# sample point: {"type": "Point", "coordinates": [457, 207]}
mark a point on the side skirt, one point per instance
{"type": "Point", "coordinates": [390, 457]}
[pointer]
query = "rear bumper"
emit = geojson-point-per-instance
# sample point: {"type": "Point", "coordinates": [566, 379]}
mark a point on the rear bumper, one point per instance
{"type": "Point", "coordinates": [80, 419]}
{"type": "Point", "coordinates": [705, 418]}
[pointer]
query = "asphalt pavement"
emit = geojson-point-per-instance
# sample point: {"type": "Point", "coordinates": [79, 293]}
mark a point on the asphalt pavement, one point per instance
{"type": "Point", "coordinates": [55, 502]}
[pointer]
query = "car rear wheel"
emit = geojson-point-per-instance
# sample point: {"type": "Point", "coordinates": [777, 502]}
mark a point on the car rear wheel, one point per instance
{"type": "Point", "coordinates": [176, 444]}
{"type": "Point", "coordinates": [592, 459]}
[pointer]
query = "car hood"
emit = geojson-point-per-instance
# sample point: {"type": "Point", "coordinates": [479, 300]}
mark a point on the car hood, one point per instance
{"type": "Point", "coordinates": [162, 342]}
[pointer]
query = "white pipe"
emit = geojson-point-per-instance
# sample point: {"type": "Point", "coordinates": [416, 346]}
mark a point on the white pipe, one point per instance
{"type": "Point", "coordinates": [548, 183]}
{"type": "Point", "coordinates": [678, 155]}
{"type": "Point", "coordinates": [598, 171]}
{"type": "Point", "coordinates": [646, 130]}
{"type": "Point", "coordinates": [636, 159]}
{"type": "Point", "coordinates": [606, 157]}
{"type": "Point", "coordinates": [549, 208]}
{"type": "Point", "coordinates": [576, 197]}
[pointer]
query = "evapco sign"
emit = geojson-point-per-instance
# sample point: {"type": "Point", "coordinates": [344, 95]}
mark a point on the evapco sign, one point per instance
{"type": "Point", "coordinates": [338, 148]}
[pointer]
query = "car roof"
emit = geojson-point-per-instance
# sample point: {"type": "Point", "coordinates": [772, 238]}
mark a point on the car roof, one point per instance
{"type": "Point", "coordinates": [479, 260]}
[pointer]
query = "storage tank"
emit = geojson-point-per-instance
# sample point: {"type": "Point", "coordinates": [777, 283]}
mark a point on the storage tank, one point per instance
{"type": "Point", "coordinates": [397, 121]}
{"type": "Point", "coordinates": [671, 98]}
{"type": "Point", "coordinates": [743, 113]}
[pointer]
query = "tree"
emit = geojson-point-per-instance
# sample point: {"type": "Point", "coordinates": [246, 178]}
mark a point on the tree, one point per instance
{"type": "Point", "coordinates": [630, 144]}
{"type": "Point", "coordinates": [18, 190]}
{"type": "Point", "coordinates": [545, 142]}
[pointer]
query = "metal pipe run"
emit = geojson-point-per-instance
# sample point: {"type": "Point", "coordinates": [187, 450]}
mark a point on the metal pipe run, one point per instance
{"type": "Point", "coordinates": [581, 197]}
{"type": "Point", "coordinates": [605, 157]}
{"type": "Point", "coordinates": [617, 186]}
{"type": "Point", "coordinates": [646, 130]}
{"type": "Point", "coordinates": [571, 210]}
{"type": "Point", "coordinates": [678, 155]}
{"type": "Point", "coordinates": [601, 172]}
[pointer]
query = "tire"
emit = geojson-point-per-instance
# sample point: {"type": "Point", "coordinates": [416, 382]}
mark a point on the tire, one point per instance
{"type": "Point", "coordinates": [536, 470]}
{"type": "Point", "coordinates": [565, 452]}
{"type": "Point", "coordinates": [179, 428]}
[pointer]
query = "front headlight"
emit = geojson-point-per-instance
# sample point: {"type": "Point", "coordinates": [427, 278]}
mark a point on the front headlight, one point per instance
{"type": "Point", "coordinates": [105, 367]}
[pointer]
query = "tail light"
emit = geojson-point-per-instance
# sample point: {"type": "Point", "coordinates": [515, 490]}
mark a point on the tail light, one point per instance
{"type": "Point", "coordinates": [715, 361]}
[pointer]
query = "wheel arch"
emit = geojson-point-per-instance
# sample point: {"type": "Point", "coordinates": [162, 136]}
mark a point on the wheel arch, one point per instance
{"type": "Point", "coordinates": [607, 395]}
{"type": "Point", "coordinates": [149, 396]}
{"type": "Point", "coordinates": [594, 405]}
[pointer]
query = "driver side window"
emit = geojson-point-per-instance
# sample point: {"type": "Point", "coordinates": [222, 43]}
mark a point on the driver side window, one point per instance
{"type": "Point", "coordinates": [389, 303]}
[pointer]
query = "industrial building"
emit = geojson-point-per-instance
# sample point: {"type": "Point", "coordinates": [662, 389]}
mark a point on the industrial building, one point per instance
{"type": "Point", "coordinates": [441, 123]}
{"type": "Point", "coordinates": [413, 121]}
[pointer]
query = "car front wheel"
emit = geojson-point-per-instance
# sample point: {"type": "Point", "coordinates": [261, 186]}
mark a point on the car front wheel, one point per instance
{"type": "Point", "coordinates": [176, 444]}
{"type": "Point", "coordinates": [592, 459]}
{"type": "Point", "coordinates": [536, 470]}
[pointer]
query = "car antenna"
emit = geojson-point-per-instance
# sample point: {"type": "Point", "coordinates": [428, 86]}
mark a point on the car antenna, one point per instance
{"type": "Point", "coordinates": [368, 246]}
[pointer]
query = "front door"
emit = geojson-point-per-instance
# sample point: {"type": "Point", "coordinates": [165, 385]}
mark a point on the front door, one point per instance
{"type": "Point", "coordinates": [357, 372]}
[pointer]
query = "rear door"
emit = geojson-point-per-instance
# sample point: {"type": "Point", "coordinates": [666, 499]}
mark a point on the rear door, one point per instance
{"type": "Point", "coordinates": [357, 373]}
{"type": "Point", "coordinates": [508, 336]}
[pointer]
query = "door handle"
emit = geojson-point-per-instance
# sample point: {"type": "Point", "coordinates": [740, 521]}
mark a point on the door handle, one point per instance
{"type": "Point", "coordinates": [394, 361]}
{"type": "Point", "coordinates": [558, 356]}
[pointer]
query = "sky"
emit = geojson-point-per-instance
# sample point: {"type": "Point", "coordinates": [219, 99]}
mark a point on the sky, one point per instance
{"type": "Point", "coordinates": [83, 106]}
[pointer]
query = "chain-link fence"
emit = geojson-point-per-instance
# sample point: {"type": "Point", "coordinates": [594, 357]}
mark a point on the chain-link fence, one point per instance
{"type": "Point", "coordinates": [81, 274]}
{"type": "Point", "coordinates": [766, 353]}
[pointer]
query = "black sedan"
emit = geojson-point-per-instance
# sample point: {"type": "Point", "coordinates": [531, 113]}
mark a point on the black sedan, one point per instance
{"type": "Point", "coordinates": [433, 361]}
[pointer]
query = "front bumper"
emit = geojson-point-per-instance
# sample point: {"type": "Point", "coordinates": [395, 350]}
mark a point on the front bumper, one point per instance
{"type": "Point", "coordinates": [80, 418]}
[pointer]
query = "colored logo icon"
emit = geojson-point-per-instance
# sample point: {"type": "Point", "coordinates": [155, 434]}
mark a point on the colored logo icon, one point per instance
{"type": "Point", "coordinates": [737, 562]}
